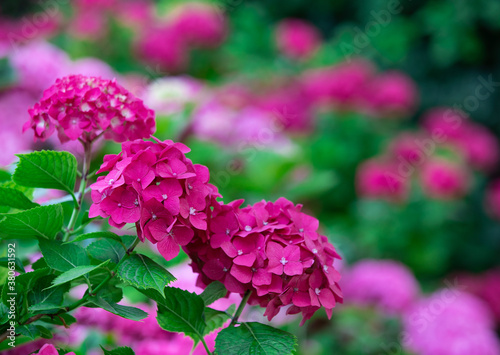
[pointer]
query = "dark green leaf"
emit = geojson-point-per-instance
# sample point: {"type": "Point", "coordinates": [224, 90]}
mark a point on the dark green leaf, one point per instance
{"type": "Point", "coordinates": [255, 338]}
{"type": "Point", "coordinates": [68, 319]}
{"type": "Point", "coordinates": [18, 264]}
{"type": "Point", "coordinates": [4, 313]}
{"type": "Point", "coordinates": [122, 311]}
{"type": "Point", "coordinates": [39, 264]}
{"type": "Point", "coordinates": [41, 298]}
{"type": "Point", "coordinates": [213, 292]}
{"type": "Point", "coordinates": [216, 319]}
{"type": "Point", "coordinates": [44, 332]}
{"type": "Point", "coordinates": [106, 249]}
{"type": "Point", "coordinates": [29, 330]}
{"type": "Point", "coordinates": [14, 198]}
{"type": "Point", "coordinates": [74, 274]}
{"type": "Point", "coordinates": [47, 169]}
{"type": "Point", "coordinates": [63, 257]}
{"type": "Point", "coordinates": [143, 273]}
{"type": "Point", "coordinates": [96, 235]}
{"type": "Point", "coordinates": [118, 351]}
{"type": "Point", "coordinates": [43, 221]}
{"type": "Point", "coordinates": [182, 311]}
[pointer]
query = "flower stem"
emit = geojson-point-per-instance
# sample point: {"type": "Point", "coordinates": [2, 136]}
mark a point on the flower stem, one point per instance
{"type": "Point", "coordinates": [242, 305]}
{"type": "Point", "coordinates": [87, 147]}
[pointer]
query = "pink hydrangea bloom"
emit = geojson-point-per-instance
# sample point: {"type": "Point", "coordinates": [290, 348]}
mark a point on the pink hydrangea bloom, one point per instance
{"type": "Point", "coordinates": [273, 250]}
{"type": "Point", "coordinates": [83, 108]}
{"type": "Point", "coordinates": [405, 148]}
{"type": "Point", "coordinates": [339, 85]}
{"type": "Point", "coordinates": [49, 349]}
{"type": "Point", "coordinates": [478, 145]}
{"type": "Point", "coordinates": [391, 94]}
{"type": "Point", "coordinates": [450, 322]}
{"type": "Point", "coordinates": [297, 39]}
{"type": "Point", "coordinates": [199, 24]}
{"type": "Point", "coordinates": [386, 284]}
{"type": "Point", "coordinates": [154, 185]}
{"type": "Point", "coordinates": [36, 75]}
{"type": "Point", "coordinates": [443, 179]}
{"type": "Point", "coordinates": [381, 180]}
{"type": "Point", "coordinates": [493, 199]}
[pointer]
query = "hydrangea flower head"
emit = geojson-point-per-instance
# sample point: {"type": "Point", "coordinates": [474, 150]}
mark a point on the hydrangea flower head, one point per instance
{"type": "Point", "coordinates": [155, 186]}
{"type": "Point", "coordinates": [450, 322]}
{"type": "Point", "coordinates": [81, 107]}
{"type": "Point", "coordinates": [385, 284]}
{"type": "Point", "coordinates": [297, 39]}
{"type": "Point", "coordinates": [443, 179]}
{"type": "Point", "coordinates": [381, 180]}
{"type": "Point", "coordinates": [49, 349]}
{"type": "Point", "coordinates": [273, 250]}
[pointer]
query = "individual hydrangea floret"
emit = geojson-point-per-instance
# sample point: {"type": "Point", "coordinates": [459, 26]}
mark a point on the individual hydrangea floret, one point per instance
{"type": "Point", "coordinates": [155, 186]}
{"type": "Point", "coordinates": [84, 108]}
{"type": "Point", "coordinates": [273, 250]}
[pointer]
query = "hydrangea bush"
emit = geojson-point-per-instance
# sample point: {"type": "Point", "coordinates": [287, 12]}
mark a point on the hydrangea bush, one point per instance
{"type": "Point", "coordinates": [270, 253]}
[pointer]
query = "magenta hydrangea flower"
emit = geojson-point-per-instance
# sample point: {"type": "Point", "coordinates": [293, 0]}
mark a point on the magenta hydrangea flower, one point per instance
{"type": "Point", "coordinates": [381, 180]}
{"type": "Point", "coordinates": [83, 108]}
{"type": "Point", "coordinates": [155, 186]}
{"type": "Point", "coordinates": [385, 284]}
{"type": "Point", "coordinates": [450, 322]}
{"type": "Point", "coordinates": [443, 179]}
{"type": "Point", "coordinates": [272, 249]}
{"type": "Point", "coordinates": [297, 39]}
{"type": "Point", "coordinates": [49, 349]}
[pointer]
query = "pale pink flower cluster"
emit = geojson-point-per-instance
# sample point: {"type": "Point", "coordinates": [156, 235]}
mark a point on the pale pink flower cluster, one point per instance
{"type": "Point", "coordinates": [386, 285]}
{"type": "Point", "coordinates": [80, 107]}
{"type": "Point", "coordinates": [450, 322]}
{"type": "Point", "coordinates": [155, 186]}
{"type": "Point", "coordinates": [272, 250]}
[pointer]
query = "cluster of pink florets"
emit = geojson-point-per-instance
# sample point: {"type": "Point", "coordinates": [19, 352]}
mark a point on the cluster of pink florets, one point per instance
{"type": "Point", "coordinates": [272, 250]}
{"type": "Point", "coordinates": [81, 107]}
{"type": "Point", "coordinates": [154, 185]}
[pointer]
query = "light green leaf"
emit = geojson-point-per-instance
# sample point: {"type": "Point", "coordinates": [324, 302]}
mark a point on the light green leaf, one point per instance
{"type": "Point", "coordinates": [63, 257]}
{"type": "Point", "coordinates": [143, 273]}
{"type": "Point", "coordinates": [96, 235]}
{"type": "Point", "coordinates": [255, 338]}
{"type": "Point", "coordinates": [106, 249]}
{"type": "Point", "coordinates": [213, 292]}
{"type": "Point", "coordinates": [43, 221]}
{"type": "Point", "coordinates": [120, 310]}
{"type": "Point", "coordinates": [47, 169]}
{"type": "Point", "coordinates": [74, 274]}
{"type": "Point", "coordinates": [216, 319]}
{"type": "Point", "coordinates": [182, 311]}
{"type": "Point", "coordinates": [14, 198]}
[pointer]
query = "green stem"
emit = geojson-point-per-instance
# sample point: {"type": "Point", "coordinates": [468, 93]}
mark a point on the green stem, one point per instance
{"type": "Point", "coordinates": [87, 147]}
{"type": "Point", "coordinates": [242, 305]}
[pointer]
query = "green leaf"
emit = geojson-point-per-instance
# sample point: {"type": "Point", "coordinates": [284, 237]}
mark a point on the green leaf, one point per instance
{"type": "Point", "coordinates": [216, 319]}
{"type": "Point", "coordinates": [63, 257]}
{"type": "Point", "coordinates": [42, 298]}
{"type": "Point", "coordinates": [213, 292]}
{"type": "Point", "coordinates": [96, 235]}
{"type": "Point", "coordinates": [68, 319]}
{"type": "Point", "coordinates": [18, 264]}
{"type": "Point", "coordinates": [14, 198]}
{"type": "Point", "coordinates": [74, 274]}
{"type": "Point", "coordinates": [4, 175]}
{"type": "Point", "coordinates": [106, 249]}
{"type": "Point", "coordinates": [143, 273]}
{"type": "Point", "coordinates": [182, 311]}
{"type": "Point", "coordinates": [255, 338]}
{"type": "Point", "coordinates": [122, 311]}
{"type": "Point", "coordinates": [124, 350]}
{"type": "Point", "coordinates": [44, 332]}
{"type": "Point", "coordinates": [24, 283]}
{"type": "Point", "coordinates": [4, 313]}
{"type": "Point", "coordinates": [43, 221]}
{"type": "Point", "coordinates": [47, 169]}
{"type": "Point", "coordinates": [39, 264]}
{"type": "Point", "coordinates": [29, 330]}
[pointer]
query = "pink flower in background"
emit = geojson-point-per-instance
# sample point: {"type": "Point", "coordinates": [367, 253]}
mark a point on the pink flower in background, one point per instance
{"type": "Point", "coordinates": [480, 146]}
{"type": "Point", "coordinates": [450, 322]}
{"type": "Point", "coordinates": [444, 122]}
{"type": "Point", "coordinates": [171, 95]}
{"type": "Point", "coordinates": [161, 45]}
{"type": "Point", "coordinates": [276, 253]}
{"type": "Point", "coordinates": [91, 67]}
{"type": "Point", "coordinates": [443, 179]}
{"type": "Point", "coordinates": [83, 108]}
{"type": "Point", "coordinates": [198, 24]}
{"type": "Point", "coordinates": [391, 94]}
{"type": "Point", "coordinates": [381, 179]}
{"type": "Point", "coordinates": [493, 199]}
{"type": "Point", "coordinates": [36, 75]}
{"type": "Point", "coordinates": [297, 39]}
{"type": "Point", "coordinates": [154, 185]}
{"type": "Point", "coordinates": [339, 85]}
{"type": "Point", "coordinates": [49, 349]}
{"type": "Point", "coordinates": [385, 284]}
{"type": "Point", "coordinates": [408, 147]}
